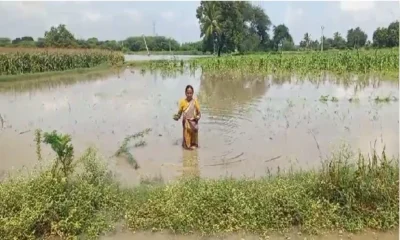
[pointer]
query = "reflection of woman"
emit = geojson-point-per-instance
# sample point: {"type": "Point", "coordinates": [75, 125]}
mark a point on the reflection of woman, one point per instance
{"type": "Point", "coordinates": [190, 109]}
{"type": "Point", "coordinates": [190, 164]}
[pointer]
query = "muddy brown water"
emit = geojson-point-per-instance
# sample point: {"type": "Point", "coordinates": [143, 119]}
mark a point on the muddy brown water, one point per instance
{"type": "Point", "coordinates": [249, 125]}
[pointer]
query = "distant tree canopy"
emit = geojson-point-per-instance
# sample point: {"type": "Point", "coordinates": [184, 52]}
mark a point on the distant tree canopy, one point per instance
{"type": "Point", "coordinates": [386, 37]}
{"type": "Point", "coordinates": [356, 38]}
{"type": "Point", "coordinates": [154, 43]}
{"type": "Point", "coordinates": [61, 37]}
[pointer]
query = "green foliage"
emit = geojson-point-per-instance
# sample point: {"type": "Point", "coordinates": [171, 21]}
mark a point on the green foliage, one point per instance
{"type": "Point", "coordinates": [194, 46]}
{"type": "Point", "coordinates": [281, 35]}
{"type": "Point", "coordinates": [154, 43]}
{"type": "Point", "coordinates": [59, 37]}
{"type": "Point", "coordinates": [364, 193]}
{"type": "Point", "coordinates": [224, 25]}
{"type": "Point", "coordinates": [4, 42]}
{"type": "Point", "coordinates": [356, 38]}
{"type": "Point", "coordinates": [337, 62]}
{"type": "Point", "coordinates": [38, 140]}
{"type": "Point", "coordinates": [386, 37]}
{"type": "Point", "coordinates": [341, 196]}
{"type": "Point", "coordinates": [325, 98]}
{"type": "Point", "coordinates": [23, 61]}
{"type": "Point", "coordinates": [60, 201]}
{"type": "Point", "coordinates": [42, 204]}
{"type": "Point", "coordinates": [61, 145]}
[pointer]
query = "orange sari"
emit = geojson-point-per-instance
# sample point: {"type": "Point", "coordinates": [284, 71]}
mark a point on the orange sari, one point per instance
{"type": "Point", "coordinates": [189, 110]}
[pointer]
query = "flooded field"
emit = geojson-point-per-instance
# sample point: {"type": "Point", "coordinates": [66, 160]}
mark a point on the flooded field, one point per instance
{"type": "Point", "coordinates": [159, 57]}
{"type": "Point", "coordinates": [249, 125]}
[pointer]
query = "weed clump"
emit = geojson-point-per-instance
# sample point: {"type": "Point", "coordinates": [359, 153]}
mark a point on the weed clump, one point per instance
{"type": "Point", "coordinates": [124, 149]}
{"type": "Point", "coordinates": [342, 195]}
{"type": "Point", "coordinates": [58, 200]}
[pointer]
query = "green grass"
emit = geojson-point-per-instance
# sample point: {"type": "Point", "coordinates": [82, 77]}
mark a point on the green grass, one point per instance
{"type": "Point", "coordinates": [341, 196]}
{"type": "Point", "coordinates": [350, 192]}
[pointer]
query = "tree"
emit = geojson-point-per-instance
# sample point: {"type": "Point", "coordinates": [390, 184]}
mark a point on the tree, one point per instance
{"type": "Point", "coordinates": [380, 37]}
{"type": "Point", "coordinates": [40, 42]}
{"type": "Point", "coordinates": [305, 43]}
{"type": "Point", "coordinates": [328, 43]}
{"type": "Point", "coordinates": [227, 24]}
{"type": "Point", "coordinates": [27, 39]}
{"type": "Point", "coordinates": [59, 37]}
{"type": "Point", "coordinates": [209, 17]}
{"type": "Point", "coordinates": [5, 42]}
{"type": "Point", "coordinates": [250, 43]}
{"type": "Point", "coordinates": [393, 34]}
{"type": "Point", "coordinates": [288, 45]}
{"type": "Point", "coordinates": [93, 42]}
{"type": "Point", "coordinates": [16, 41]}
{"type": "Point", "coordinates": [281, 33]}
{"type": "Point", "coordinates": [192, 46]}
{"type": "Point", "coordinates": [356, 38]}
{"type": "Point", "coordinates": [315, 45]}
{"type": "Point", "coordinates": [154, 43]}
{"type": "Point", "coordinates": [338, 41]}
{"type": "Point", "coordinates": [260, 24]}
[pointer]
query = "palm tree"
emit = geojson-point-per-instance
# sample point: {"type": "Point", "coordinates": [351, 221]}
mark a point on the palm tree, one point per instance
{"type": "Point", "coordinates": [307, 39]}
{"type": "Point", "coordinates": [209, 24]}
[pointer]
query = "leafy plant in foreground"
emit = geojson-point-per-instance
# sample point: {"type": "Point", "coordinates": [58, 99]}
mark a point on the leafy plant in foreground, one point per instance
{"type": "Point", "coordinates": [63, 148]}
{"type": "Point", "coordinates": [44, 204]}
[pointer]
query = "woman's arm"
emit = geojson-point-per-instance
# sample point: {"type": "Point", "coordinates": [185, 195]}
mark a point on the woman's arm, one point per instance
{"type": "Point", "coordinates": [197, 105]}
{"type": "Point", "coordinates": [180, 110]}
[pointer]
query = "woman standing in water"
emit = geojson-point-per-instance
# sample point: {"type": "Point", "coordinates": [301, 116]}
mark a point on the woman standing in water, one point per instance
{"type": "Point", "coordinates": [190, 109]}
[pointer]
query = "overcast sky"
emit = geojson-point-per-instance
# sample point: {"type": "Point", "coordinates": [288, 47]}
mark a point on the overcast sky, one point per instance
{"type": "Point", "coordinates": [118, 20]}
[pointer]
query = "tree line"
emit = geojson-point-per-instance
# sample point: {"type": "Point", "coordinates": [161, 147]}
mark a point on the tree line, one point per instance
{"type": "Point", "coordinates": [61, 37]}
{"type": "Point", "coordinates": [241, 27]}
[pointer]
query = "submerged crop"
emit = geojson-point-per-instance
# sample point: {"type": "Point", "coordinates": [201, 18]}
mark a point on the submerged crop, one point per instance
{"type": "Point", "coordinates": [339, 62]}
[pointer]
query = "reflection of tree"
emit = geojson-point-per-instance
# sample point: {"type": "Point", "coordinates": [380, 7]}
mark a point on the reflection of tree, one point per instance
{"type": "Point", "coordinates": [190, 161]}
{"type": "Point", "coordinates": [41, 83]}
{"type": "Point", "coordinates": [226, 91]}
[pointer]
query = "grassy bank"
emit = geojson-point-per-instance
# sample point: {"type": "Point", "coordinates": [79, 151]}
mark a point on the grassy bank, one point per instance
{"type": "Point", "coordinates": [79, 197]}
{"type": "Point", "coordinates": [17, 61]}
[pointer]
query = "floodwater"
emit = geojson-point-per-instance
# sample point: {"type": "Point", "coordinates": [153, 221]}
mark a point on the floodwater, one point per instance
{"type": "Point", "coordinates": [132, 57]}
{"type": "Point", "coordinates": [249, 124]}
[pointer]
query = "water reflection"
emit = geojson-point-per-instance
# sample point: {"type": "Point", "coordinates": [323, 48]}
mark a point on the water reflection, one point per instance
{"type": "Point", "coordinates": [222, 92]}
{"type": "Point", "coordinates": [190, 163]}
{"type": "Point", "coordinates": [48, 83]}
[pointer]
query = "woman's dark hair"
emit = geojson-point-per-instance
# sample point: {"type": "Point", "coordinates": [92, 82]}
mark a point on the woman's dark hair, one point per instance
{"type": "Point", "coordinates": [189, 86]}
